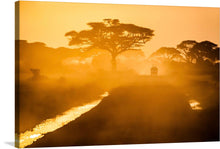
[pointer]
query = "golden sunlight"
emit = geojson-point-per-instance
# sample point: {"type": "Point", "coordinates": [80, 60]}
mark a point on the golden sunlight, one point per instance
{"type": "Point", "coordinates": [195, 105]}
{"type": "Point", "coordinates": [53, 124]}
{"type": "Point", "coordinates": [161, 64]}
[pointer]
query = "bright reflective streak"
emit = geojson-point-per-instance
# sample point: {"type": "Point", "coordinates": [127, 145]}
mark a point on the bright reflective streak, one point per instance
{"type": "Point", "coordinates": [105, 94]}
{"type": "Point", "coordinates": [35, 136]}
{"type": "Point", "coordinates": [50, 125]}
{"type": "Point", "coordinates": [195, 105]}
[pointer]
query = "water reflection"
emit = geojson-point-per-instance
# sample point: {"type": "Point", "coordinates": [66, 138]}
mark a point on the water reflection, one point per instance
{"type": "Point", "coordinates": [195, 105]}
{"type": "Point", "coordinates": [49, 125]}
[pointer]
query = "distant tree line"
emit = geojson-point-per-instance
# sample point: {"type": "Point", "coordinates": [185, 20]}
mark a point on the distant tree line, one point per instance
{"type": "Point", "coordinates": [115, 37]}
{"type": "Point", "coordinates": [189, 51]}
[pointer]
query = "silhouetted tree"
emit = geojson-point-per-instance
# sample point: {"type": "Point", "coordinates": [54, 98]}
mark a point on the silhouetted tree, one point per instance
{"type": "Point", "coordinates": [166, 54]}
{"type": "Point", "coordinates": [112, 36]}
{"type": "Point", "coordinates": [205, 50]}
{"type": "Point", "coordinates": [214, 56]}
{"type": "Point", "coordinates": [185, 47]}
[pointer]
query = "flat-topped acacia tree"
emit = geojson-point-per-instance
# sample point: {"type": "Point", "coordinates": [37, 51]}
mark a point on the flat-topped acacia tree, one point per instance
{"type": "Point", "coordinates": [111, 35]}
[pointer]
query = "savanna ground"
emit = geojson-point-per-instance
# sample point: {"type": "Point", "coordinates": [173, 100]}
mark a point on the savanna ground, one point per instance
{"type": "Point", "coordinates": [140, 108]}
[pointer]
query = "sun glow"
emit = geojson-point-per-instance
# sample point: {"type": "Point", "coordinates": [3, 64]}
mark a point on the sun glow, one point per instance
{"type": "Point", "coordinates": [49, 125]}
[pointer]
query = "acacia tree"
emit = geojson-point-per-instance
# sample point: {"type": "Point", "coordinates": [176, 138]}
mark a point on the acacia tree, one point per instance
{"type": "Point", "coordinates": [206, 50]}
{"type": "Point", "coordinates": [166, 54]}
{"type": "Point", "coordinates": [185, 47]}
{"type": "Point", "coordinates": [112, 36]}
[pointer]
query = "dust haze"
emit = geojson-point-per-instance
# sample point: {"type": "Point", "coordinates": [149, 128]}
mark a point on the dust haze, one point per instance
{"type": "Point", "coordinates": [170, 95]}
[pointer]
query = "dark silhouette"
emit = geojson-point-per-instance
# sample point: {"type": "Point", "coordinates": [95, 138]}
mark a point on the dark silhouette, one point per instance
{"type": "Point", "coordinates": [154, 71]}
{"type": "Point", "coordinates": [112, 36]}
{"type": "Point", "coordinates": [189, 51]}
{"type": "Point", "coordinates": [167, 54]}
{"type": "Point", "coordinates": [185, 47]}
{"type": "Point", "coordinates": [36, 75]}
{"type": "Point", "coordinates": [205, 50]}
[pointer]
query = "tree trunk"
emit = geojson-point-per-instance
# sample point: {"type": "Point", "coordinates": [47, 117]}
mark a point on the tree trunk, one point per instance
{"type": "Point", "coordinates": [114, 65]}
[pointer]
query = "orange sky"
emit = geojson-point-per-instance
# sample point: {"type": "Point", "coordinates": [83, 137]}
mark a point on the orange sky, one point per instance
{"type": "Point", "coordinates": [48, 21]}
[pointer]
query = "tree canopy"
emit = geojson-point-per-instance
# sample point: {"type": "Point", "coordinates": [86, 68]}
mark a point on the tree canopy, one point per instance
{"type": "Point", "coordinates": [111, 35]}
{"type": "Point", "coordinates": [166, 54]}
{"type": "Point", "coordinates": [206, 50]}
{"type": "Point", "coordinates": [185, 47]}
{"type": "Point", "coordinates": [189, 51]}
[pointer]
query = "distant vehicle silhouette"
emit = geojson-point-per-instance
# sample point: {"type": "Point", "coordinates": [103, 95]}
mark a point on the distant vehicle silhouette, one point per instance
{"type": "Point", "coordinates": [36, 74]}
{"type": "Point", "coordinates": [154, 71]}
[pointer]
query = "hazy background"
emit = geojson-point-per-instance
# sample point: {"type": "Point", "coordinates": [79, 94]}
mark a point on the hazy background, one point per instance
{"type": "Point", "coordinates": [7, 64]}
{"type": "Point", "coordinates": [55, 77]}
{"type": "Point", "coordinates": [171, 24]}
